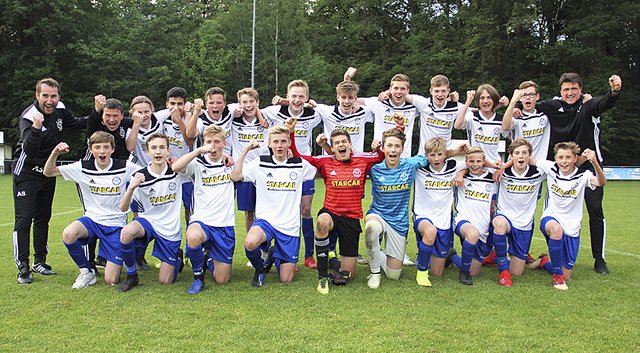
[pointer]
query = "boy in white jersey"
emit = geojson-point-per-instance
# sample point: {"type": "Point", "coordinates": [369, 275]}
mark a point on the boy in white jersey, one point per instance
{"type": "Point", "coordinates": [101, 183]}
{"type": "Point", "coordinates": [533, 125]}
{"type": "Point", "coordinates": [387, 217]}
{"type": "Point", "coordinates": [245, 129]}
{"type": "Point", "coordinates": [432, 200]}
{"type": "Point", "coordinates": [216, 113]}
{"type": "Point", "coordinates": [306, 120]}
{"type": "Point", "coordinates": [347, 115]}
{"type": "Point", "coordinates": [157, 188]}
{"type": "Point", "coordinates": [517, 199]}
{"type": "Point", "coordinates": [562, 215]}
{"type": "Point", "coordinates": [385, 110]}
{"type": "Point", "coordinates": [213, 216]}
{"type": "Point", "coordinates": [473, 210]}
{"type": "Point", "coordinates": [484, 126]}
{"type": "Point", "coordinates": [278, 183]}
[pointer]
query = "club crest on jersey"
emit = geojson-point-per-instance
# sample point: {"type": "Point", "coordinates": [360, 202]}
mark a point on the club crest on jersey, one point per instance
{"type": "Point", "coordinates": [357, 172]}
{"type": "Point", "coordinates": [357, 121]}
{"type": "Point", "coordinates": [404, 176]}
{"type": "Point", "coordinates": [487, 187]}
{"type": "Point", "coordinates": [172, 186]}
{"type": "Point", "coordinates": [449, 117]}
{"type": "Point", "coordinates": [543, 121]}
{"type": "Point", "coordinates": [260, 129]}
{"type": "Point", "coordinates": [116, 180]}
{"type": "Point", "coordinates": [59, 124]}
{"type": "Point", "coordinates": [496, 130]}
{"type": "Point", "coordinates": [305, 125]}
{"type": "Point", "coordinates": [227, 169]}
{"type": "Point", "coordinates": [293, 175]}
{"type": "Point", "coordinates": [121, 132]}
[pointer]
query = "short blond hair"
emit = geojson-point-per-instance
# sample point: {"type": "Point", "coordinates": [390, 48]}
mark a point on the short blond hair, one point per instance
{"type": "Point", "coordinates": [571, 146]}
{"type": "Point", "coordinates": [298, 83]}
{"type": "Point", "coordinates": [439, 80]}
{"type": "Point", "coordinates": [279, 129]}
{"type": "Point", "coordinates": [213, 130]}
{"type": "Point", "coordinates": [472, 150]}
{"type": "Point", "coordinates": [401, 78]}
{"type": "Point", "coordinates": [394, 132]}
{"type": "Point", "coordinates": [251, 92]}
{"type": "Point", "coordinates": [518, 143]}
{"type": "Point", "coordinates": [436, 144]}
{"type": "Point", "coordinates": [527, 84]}
{"type": "Point", "coordinates": [102, 137]}
{"type": "Point", "coordinates": [347, 87]}
{"type": "Point", "coordinates": [139, 100]}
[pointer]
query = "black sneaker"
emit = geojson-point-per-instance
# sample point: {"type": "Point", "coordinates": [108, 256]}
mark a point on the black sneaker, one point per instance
{"type": "Point", "coordinates": [268, 261]}
{"type": "Point", "coordinates": [130, 282]}
{"type": "Point", "coordinates": [450, 253]}
{"type": "Point", "coordinates": [142, 264]}
{"type": "Point", "coordinates": [43, 269]}
{"type": "Point", "coordinates": [101, 262]}
{"type": "Point", "coordinates": [24, 275]}
{"type": "Point", "coordinates": [180, 260]}
{"type": "Point", "coordinates": [339, 278]}
{"type": "Point", "coordinates": [258, 279]}
{"type": "Point", "coordinates": [465, 278]}
{"type": "Point", "coordinates": [600, 266]}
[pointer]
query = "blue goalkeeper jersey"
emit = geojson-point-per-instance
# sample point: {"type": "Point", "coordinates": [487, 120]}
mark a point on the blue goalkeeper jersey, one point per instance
{"type": "Point", "coordinates": [392, 189]}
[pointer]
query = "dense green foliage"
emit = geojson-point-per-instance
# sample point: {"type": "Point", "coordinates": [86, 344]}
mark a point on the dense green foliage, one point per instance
{"type": "Point", "coordinates": [124, 48]}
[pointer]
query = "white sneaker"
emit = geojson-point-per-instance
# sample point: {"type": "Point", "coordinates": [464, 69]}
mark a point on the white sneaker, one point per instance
{"type": "Point", "coordinates": [361, 260]}
{"type": "Point", "coordinates": [85, 279]}
{"type": "Point", "coordinates": [407, 261]}
{"type": "Point", "coordinates": [249, 264]}
{"type": "Point", "coordinates": [373, 281]}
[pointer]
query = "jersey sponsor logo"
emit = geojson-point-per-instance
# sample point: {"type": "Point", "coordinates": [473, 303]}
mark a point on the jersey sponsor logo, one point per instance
{"type": "Point", "coordinates": [476, 195]}
{"type": "Point", "coordinates": [175, 141]}
{"type": "Point", "coordinates": [487, 139]}
{"type": "Point", "coordinates": [281, 185]}
{"type": "Point", "coordinates": [116, 180]}
{"type": "Point", "coordinates": [216, 180]}
{"type": "Point", "coordinates": [571, 193]}
{"type": "Point", "coordinates": [105, 190]}
{"type": "Point", "coordinates": [162, 199]}
{"type": "Point", "coordinates": [388, 119]}
{"type": "Point", "coordinates": [249, 137]}
{"type": "Point", "coordinates": [351, 130]}
{"type": "Point", "coordinates": [59, 124]}
{"type": "Point", "coordinates": [438, 185]}
{"type": "Point", "coordinates": [432, 121]}
{"type": "Point", "coordinates": [521, 189]}
{"type": "Point", "coordinates": [301, 133]}
{"type": "Point", "coordinates": [396, 187]}
{"type": "Point", "coordinates": [345, 183]}
{"type": "Point", "coordinates": [357, 172]}
{"type": "Point", "coordinates": [532, 133]}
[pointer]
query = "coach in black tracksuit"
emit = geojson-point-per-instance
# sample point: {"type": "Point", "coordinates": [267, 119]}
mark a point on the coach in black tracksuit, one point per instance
{"type": "Point", "coordinates": [573, 120]}
{"type": "Point", "coordinates": [40, 127]}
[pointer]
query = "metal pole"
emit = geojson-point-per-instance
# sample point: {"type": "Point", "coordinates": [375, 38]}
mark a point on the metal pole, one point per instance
{"type": "Point", "coordinates": [253, 46]}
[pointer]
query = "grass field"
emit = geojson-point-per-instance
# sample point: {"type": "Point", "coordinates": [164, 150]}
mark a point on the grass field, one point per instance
{"type": "Point", "coordinates": [597, 313]}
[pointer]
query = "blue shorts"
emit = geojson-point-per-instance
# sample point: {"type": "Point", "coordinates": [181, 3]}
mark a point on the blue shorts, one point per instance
{"type": "Point", "coordinates": [187, 196]}
{"type": "Point", "coordinates": [519, 240]}
{"type": "Point", "coordinates": [286, 246]}
{"type": "Point", "coordinates": [163, 249]}
{"type": "Point", "coordinates": [570, 245]}
{"type": "Point", "coordinates": [308, 187]}
{"type": "Point", "coordinates": [220, 242]}
{"type": "Point", "coordinates": [109, 246]}
{"type": "Point", "coordinates": [246, 196]}
{"type": "Point", "coordinates": [443, 242]}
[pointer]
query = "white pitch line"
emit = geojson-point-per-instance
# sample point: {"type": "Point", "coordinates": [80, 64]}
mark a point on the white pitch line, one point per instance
{"type": "Point", "coordinates": [623, 253]}
{"type": "Point", "coordinates": [53, 215]}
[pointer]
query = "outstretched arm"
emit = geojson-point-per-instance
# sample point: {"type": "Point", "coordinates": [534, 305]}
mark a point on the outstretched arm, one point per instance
{"type": "Point", "coordinates": [507, 119]}
{"type": "Point", "coordinates": [460, 122]}
{"type": "Point", "coordinates": [50, 167]}
{"type": "Point", "coordinates": [599, 179]}
{"type": "Point", "coordinates": [126, 199]}
{"type": "Point", "coordinates": [236, 173]}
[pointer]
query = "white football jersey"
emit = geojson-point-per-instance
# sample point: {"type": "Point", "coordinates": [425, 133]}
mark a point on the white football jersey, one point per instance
{"type": "Point", "coordinates": [279, 114]}
{"type": "Point", "coordinates": [279, 190]}
{"type": "Point", "coordinates": [226, 118]}
{"type": "Point", "coordinates": [353, 123]}
{"type": "Point", "coordinates": [213, 192]}
{"type": "Point", "coordinates": [433, 193]}
{"type": "Point", "coordinates": [435, 121]}
{"type": "Point", "coordinates": [139, 155]}
{"type": "Point", "coordinates": [535, 128]}
{"type": "Point", "coordinates": [565, 196]}
{"type": "Point", "coordinates": [100, 190]}
{"type": "Point", "coordinates": [383, 119]}
{"type": "Point", "coordinates": [177, 143]}
{"type": "Point", "coordinates": [485, 133]}
{"type": "Point", "coordinates": [160, 200]}
{"type": "Point", "coordinates": [518, 196]}
{"type": "Point", "coordinates": [242, 132]}
{"type": "Point", "coordinates": [473, 202]}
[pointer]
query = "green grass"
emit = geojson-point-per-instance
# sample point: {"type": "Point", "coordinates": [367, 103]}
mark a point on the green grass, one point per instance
{"type": "Point", "coordinates": [598, 313]}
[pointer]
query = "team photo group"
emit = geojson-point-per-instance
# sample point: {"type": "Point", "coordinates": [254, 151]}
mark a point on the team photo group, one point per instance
{"type": "Point", "coordinates": [144, 164]}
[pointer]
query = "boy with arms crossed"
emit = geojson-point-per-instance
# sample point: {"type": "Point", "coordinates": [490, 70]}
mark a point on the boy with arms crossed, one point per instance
{"type": "Point", "coordinates": [213, 216]}
{"type": "Point", "coordinates": [278, 182]}
{"type": "Point", "coordinates": [157, 189]}
{"type": "Point", "coordinates": [101, 184]}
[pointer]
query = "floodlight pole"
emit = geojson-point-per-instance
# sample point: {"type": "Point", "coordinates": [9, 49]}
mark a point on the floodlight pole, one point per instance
{"type": "Point", "coordinates": [253, 46]}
